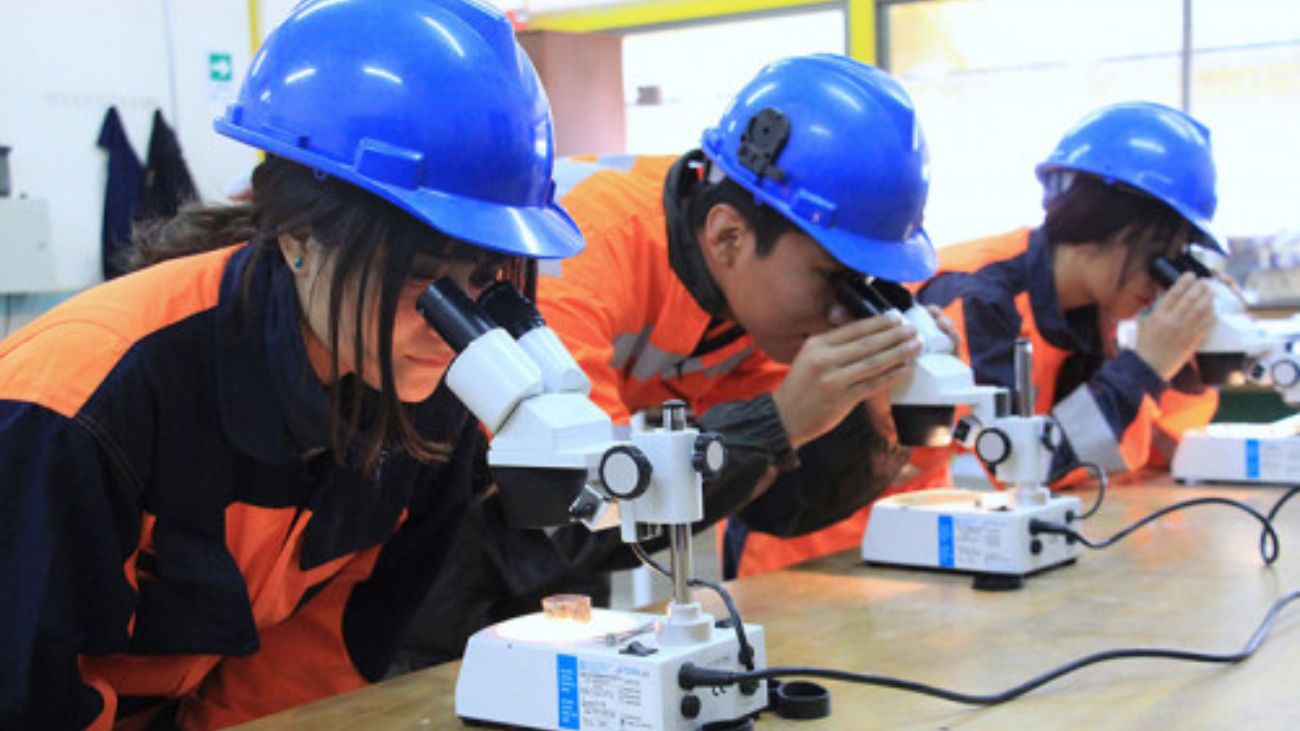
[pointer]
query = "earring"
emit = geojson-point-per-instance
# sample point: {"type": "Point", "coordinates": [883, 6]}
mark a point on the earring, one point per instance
{"type": "Point", "coordinates": [297, 263]}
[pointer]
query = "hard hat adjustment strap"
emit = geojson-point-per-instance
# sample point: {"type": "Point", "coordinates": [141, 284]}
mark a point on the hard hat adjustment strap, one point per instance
{"type": "Point", "coordinates": [764, 137]}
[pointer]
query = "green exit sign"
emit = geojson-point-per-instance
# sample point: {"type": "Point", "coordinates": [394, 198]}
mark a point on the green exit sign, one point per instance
{"type": "Point", "coordinates": [220, 67]}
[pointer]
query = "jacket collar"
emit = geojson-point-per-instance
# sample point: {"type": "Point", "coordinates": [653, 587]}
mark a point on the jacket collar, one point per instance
{"type": "Point", "coordinates": [273, 407]}
{"type": "Point", "coordinates": [683, 250]}
{"type": "Point", "coordinates": [1074, 331]}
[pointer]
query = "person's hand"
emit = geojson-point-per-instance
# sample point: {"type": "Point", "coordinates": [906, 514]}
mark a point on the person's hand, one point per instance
{"type": "Point", "coordinates": [840, 368]}
{"type": "Point", "coordinates": [1232, 287]}
{"type": "Point", "coordinates": [946, 325]}
{"type": "Point", "coordinates": [1176, 326]}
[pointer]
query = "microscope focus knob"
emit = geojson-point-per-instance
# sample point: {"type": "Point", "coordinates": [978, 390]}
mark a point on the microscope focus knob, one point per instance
{"type": "Point", "coordinates": [709, 457]}
{"type": "Point", "coordinates": [1052, 434]}
{"type": "Point", "coordinates": [625, 472]}
{"type": "Point", "coordinates": [1285, 373]}
{"type": "Point", "coordinates": [993, 446]}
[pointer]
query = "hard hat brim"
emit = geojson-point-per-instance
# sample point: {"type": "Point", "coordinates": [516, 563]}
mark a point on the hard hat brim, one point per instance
{"type": "Point", "coordinates": [539, 232]}
{"type": "Point", "coordinates": [911, 260]}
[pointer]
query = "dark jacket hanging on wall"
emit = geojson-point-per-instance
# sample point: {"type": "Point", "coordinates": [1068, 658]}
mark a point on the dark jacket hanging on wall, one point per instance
{"type": "Point", "coordinates": [121, 192]}
{"type": "Point", "coordinates": [167, 181]}
{"type": "Point", "coordinates": [136, 192]}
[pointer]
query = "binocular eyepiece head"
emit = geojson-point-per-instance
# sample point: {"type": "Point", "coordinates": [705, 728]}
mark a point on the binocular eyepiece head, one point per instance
{"type": "Point", "coordinates": [870, 298]}
{"type": "Point", "coordinates": [1166, 270]}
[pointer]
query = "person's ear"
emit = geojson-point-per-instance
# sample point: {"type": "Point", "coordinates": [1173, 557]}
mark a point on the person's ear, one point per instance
{"type": "Point", "coordinates": [725, 236]}
{"type": "Point", "coordinates": [298, 253]}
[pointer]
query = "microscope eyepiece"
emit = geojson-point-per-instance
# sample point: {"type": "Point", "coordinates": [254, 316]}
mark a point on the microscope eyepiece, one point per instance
{"type": "Point", "coordinates": [450, 312]}
{"type": "Point", "coordinates": [1166, 270]}
{"type": "Point", "coordinates": [893, 293]}
{"type": "Point", "coordinates": [507, 307]}
{"type": "Point", "coordinates": [859, 296]}
{"type": "Point", "coordinates": [1191, 264]}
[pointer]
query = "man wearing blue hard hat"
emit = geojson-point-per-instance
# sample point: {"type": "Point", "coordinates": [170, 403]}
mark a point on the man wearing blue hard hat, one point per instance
{"type": "Point", "coordinates": [1130, 183]}
{"type": "Point", "coordinates": [228, 479]}
{"type": "Point", "coordinates": [710, 278]}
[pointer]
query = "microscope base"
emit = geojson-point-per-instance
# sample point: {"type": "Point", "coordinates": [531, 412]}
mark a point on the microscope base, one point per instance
{"type": "Point", "coordinates": [544, 673]}
{"type": "Point", "coordinates": [1254, 453]}
{"type": "Point", "coordinates": [968, 531]}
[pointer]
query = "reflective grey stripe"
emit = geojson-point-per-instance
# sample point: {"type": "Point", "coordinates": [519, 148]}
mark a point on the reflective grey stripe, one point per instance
{"type": "Point", "coordinates": [652, 361]}
{"type": "Point", "coordinates": [568, 173]}
{"type": "Point", "coordinates": [550, 267]}
{"type": "Point", "coordinates": [697, 364]}
{"type": "Point", "coordinates": [1088, 431]}
{"type": "Point", "coordinates": [648, 361]}
{"type": "Point", "coordinates": [618, 162]}
{"type": "Point", "coordinates": [627, 346]}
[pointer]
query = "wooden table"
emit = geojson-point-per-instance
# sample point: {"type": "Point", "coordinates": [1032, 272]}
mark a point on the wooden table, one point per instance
{"type": "Point", "coordinates": [1193, 580]}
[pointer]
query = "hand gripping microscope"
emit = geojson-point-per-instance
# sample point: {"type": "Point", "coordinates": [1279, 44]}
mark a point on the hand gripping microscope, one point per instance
{"type": "Point", "coordinates": [556, 461]}
{"type": "Point", "coordinates": [1242, 348]}
{"type": "Point", "coordinates": [982, 532]}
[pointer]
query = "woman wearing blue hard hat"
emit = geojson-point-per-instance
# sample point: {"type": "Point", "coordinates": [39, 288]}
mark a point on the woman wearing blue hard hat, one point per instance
{"type": "Point", "coordinates": [229, 477]}
{"type": "Point", "coordinates": [1130, 183]}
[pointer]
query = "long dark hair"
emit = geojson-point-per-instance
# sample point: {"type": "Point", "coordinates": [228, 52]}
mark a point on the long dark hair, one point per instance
{"type": "Point", "coordinates": [1092, 210]}
{"type": "Point", "coordinates": [364, 236]}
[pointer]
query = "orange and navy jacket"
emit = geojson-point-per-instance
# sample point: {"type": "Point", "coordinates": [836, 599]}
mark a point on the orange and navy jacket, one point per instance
{"type": "Point", "coordinates": [179, 547]}
{"type": "Point", "coordinates": [636, 325]}
{"type": "Point", "coordinates": [1115, 412]}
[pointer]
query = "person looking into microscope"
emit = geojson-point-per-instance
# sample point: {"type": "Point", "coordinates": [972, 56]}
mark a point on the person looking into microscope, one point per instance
{"type": "Point", "coordinates": [709, 278]}
{"type": "Point", "coordinates": [1129, 183]}
{"type": "Point", "coordinates": [227, 479]}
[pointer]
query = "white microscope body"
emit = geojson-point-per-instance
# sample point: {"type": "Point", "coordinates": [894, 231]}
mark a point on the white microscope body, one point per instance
{"type": "Point", "coordinates": [1264, 453]}
{"type": "Point", "coordinates": [983, 532]}
{"type": "Point", "coordinates": [976, 531]}
{"type": "Point", "coordinates": [553, 447]}
{"type": "Point", "coordinates": [1240, 347]}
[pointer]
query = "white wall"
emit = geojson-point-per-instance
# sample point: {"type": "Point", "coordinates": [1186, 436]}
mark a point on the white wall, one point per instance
{"type": "Point", "coordinates": [65, 62]}
{"type": "Point", "coordinates": [732, 51]}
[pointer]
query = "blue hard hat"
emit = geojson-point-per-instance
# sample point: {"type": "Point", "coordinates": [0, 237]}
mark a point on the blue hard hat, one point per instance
{"type": "Point", "coordinates": [429, 104]}
{"type": "Point", "coordinates": [835, 147]}
{"type": "Point", "coordinates": [1158, 150]}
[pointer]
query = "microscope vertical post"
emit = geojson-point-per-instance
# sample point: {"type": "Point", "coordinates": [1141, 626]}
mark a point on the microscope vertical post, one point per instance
{"type": "Point", "coordinates": [679, 535]}
{"type": "Point", "coordinates": [1024, 375]}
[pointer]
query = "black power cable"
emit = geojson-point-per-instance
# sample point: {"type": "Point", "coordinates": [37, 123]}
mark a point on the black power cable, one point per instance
{"type": "Point", "coordinates": [1269, 546]}
{"type": "Point", "coordinates": [1272, 513]}
{"type": "Point", "coordinates": [746, 650]}
{"type": "Point", "coordinates": [692, 676]}
{"type": "Point", "coordinates": [1102, 481]}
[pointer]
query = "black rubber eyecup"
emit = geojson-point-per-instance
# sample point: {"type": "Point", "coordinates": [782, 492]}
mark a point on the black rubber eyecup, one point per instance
{"type": "Point", "coordinates": [802, 700]}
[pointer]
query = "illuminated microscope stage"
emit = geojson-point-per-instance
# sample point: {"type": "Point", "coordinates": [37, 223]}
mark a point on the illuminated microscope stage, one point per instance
{"type": "Point", "coordinates": [541, 672]}
{"type": "Point", "coordinates": [973, 531]}
{"type": "Point", "coordinates": [1256, 453]}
